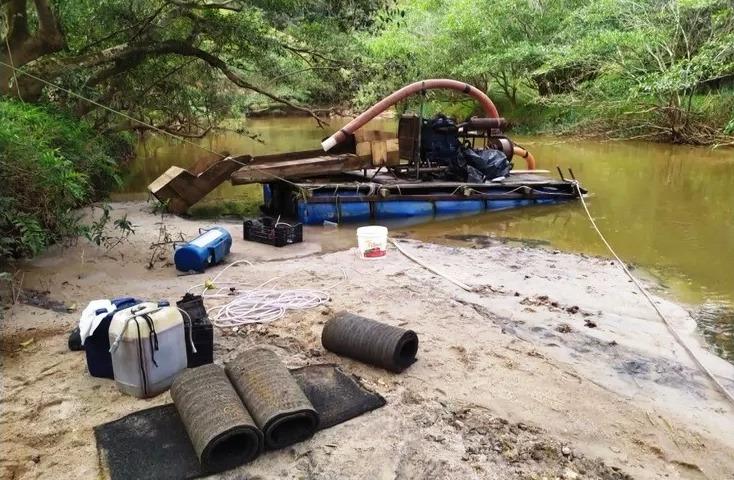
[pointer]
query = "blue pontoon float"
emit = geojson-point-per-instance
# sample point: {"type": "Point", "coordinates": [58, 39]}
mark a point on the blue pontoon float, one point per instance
{"type": "Point", "coordinates": [314, 203]}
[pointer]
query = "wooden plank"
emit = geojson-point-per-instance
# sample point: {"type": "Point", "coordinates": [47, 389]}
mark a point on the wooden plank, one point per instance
{"type": "Point", "coordinates": [408, 127]}
{"type": "Point", "coordinates": [496, 185]}
{"type": "Point", "coordinates": [439, 197]}
{"type": "Point", "coordinates": [303, 168]}
{"type": "Point", "coordinates": [180, 188]}
{"type": "Point", "coordinates": [280, 157]}
{"type": "Point", "coordinates": [435, 187]}
{"type": "Point", "coordinates": [364, 150]}
{"type": "Point", "coordinates": [363, 135]}
{"type": "Point", "coordinates": [393, 152]}
{"type": "Point", "coordinates": [379, 154]}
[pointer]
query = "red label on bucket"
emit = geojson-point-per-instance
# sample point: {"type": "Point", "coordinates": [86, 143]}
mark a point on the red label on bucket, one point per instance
{"type": "Point", "coordinates": [374, 252]}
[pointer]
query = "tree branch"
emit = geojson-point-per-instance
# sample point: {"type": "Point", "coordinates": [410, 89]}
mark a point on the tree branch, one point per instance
{"type": "Point", "coordinates": [232, 5]}
{"type": "Point", "coordinates": [123, 52]}
{"type": "Point", "coordinates": [235, 78]}
{"type": "Point", "coordinates": [142, 24]}
{"type": "Point", "coordinates": [158, 80]}
{"type": "Point", "coordinates": [24, 47]}
{"type": "Point", "coordinates": [49, 29]}
{"type": "Point", "coordinates": [16, 16]}
{"type": "Point", "coordinates": [179, 132]}
{"type": "Point", "coordinates": [301, 71]}
{"type": "Point", "coordinates": [301, 51]}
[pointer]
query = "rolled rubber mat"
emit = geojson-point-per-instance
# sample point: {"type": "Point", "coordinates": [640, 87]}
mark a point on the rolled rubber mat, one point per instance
{"type": "Point", "coordinates": [369, 341]}
{"type": "Point", "coordinates": [153, 443]}
{"type": "Point", "coordinates": [272, 396]}
{"type": "Point", "coordinates": [337, 396]}
{"type": "Point", "coordinates": [223, 433]}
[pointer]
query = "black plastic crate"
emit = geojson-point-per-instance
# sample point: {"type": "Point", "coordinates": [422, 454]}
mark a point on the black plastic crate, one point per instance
{"type": "Point", "coordinates": [266, 230]}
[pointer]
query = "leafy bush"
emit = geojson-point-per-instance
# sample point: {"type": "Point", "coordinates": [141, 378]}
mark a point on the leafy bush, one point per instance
{"type": "Point", "coordinates": [50, 164]}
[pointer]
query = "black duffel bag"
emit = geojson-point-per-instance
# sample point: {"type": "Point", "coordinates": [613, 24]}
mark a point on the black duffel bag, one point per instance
{"type": "Point", "coordinates": [489, 162]}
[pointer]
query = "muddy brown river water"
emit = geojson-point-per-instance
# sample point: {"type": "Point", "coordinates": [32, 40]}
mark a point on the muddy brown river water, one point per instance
{"type": "Point", "coordinates": [668, 209]}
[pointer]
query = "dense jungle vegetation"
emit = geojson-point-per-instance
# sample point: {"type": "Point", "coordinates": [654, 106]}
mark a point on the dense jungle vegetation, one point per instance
{"type": "Point", "coordinates": [655, 69]}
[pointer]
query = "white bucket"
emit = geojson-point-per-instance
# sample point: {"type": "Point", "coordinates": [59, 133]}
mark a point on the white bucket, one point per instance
{"type": "Point", "coordinates": [372, 241]}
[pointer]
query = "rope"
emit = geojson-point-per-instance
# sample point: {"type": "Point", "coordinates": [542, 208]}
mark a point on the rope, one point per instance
{"type": "Point", "coordinates": [145, 124]}
{"type": "Point", "coordinates": [10, 59]}
{"type": "Point", "coordinates": [509, 192]}
{"type": "Point", "coordinates": [644, 292]}
{"type": "Point", "coordinates": [191, 329]}
{"type": "Point", "coordinates": [245, 306]}
{"type": "Point", "coordinates": [429, 268]}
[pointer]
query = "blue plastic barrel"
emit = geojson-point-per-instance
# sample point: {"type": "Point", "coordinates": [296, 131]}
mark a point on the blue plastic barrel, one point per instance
{"type": "Point", "coordinates": [209, 248]}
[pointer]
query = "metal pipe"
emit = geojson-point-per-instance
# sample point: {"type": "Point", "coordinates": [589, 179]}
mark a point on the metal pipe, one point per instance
{"type": "Point", "coordinates": [486, 123]}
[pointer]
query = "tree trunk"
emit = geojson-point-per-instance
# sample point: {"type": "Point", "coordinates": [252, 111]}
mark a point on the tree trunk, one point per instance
{"type": "Point", "coordinates": [20, 47]}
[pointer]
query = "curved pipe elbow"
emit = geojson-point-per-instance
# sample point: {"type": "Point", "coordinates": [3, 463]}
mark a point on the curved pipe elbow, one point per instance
{"type": "Point", "coordinates": [529, 159]}
{"type": "Point", "coordinates": [487, 105]}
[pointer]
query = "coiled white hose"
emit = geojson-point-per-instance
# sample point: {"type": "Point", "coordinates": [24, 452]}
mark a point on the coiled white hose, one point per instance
{"type": "Point", "coordinates": [246, 305]}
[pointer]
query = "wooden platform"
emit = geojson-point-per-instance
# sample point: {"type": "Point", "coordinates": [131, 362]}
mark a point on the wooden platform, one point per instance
{"type": "Point", "coordinates": [292, 169]}
{"type": "Point", "coordinates": [180, 188]}
{"type": "Point", "coordinates": [357, 179]}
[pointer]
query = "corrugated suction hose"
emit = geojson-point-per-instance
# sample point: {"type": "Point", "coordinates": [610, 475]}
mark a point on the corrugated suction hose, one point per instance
{"type": "Point", "coordinates": [273, 398]}
{"type": "Point", "coordinates": [223, 433]}
{"type": "Point", "coordinates": [369, 341]}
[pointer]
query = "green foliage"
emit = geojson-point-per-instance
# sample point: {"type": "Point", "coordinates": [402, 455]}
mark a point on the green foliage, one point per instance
{"type": "Point", "coordinates": [181, 65]}
{"type": "Point", "coordinates": [98, 232]}
{"type": "Point", "coordinates": [50, 164]}
{"type": "Point", "coordinates": [619, 67]}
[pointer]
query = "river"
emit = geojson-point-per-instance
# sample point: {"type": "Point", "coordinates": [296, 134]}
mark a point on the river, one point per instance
{"type": "Point", "coordinates": [668, 209]}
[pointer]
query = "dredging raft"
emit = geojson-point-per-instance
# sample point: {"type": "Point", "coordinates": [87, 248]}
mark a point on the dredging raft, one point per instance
{"type": "Point", "coordinates": [430, 167]}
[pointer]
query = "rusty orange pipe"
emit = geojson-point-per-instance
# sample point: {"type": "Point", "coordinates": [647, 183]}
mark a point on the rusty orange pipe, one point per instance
{"type": "Point", "coordinates": [529, 159]}
{"type": "Point", "coordinates": [489, 109]}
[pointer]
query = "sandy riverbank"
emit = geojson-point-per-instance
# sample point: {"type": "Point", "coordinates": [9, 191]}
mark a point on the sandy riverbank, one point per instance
{"type": "Point", "coordinates": [553, 367]}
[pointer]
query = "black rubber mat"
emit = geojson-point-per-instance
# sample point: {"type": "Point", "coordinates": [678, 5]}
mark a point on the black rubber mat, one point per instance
{"type": "Point", "coordinates": [273, 397]}
{"type": "Point", "coordinates": [336, 396]}
{"type": "Point", "coordinates": [220, 428]}
{"type": "Point", "coordinates": [153, 443]}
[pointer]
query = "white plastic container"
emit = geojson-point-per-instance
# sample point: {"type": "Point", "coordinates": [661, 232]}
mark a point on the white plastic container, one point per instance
{"type": "Point", "coordinates": [145, 360]}
{"type": "Point", "coordinates": [372, 241]}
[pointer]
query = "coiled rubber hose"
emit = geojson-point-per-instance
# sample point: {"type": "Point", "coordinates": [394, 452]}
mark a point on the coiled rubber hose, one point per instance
{"type": "Point", "coordinates": [369, 341]}
{"type": "Point", "coordinates": [223, 433]}
{"type": "Point", "coordinates": [273, 398]}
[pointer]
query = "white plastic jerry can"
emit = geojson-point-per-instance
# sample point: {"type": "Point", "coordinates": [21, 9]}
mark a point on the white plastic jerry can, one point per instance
{"type": "Point", "coordinates": [148, 348]}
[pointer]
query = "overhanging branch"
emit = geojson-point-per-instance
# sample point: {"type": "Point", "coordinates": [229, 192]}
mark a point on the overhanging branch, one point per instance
{"type": "Point", "coordinates": [235, 78]}
{"type": "Point", "coordinates": [232, 5]}
{"type": "Point", "coordinates": [120, 54]}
